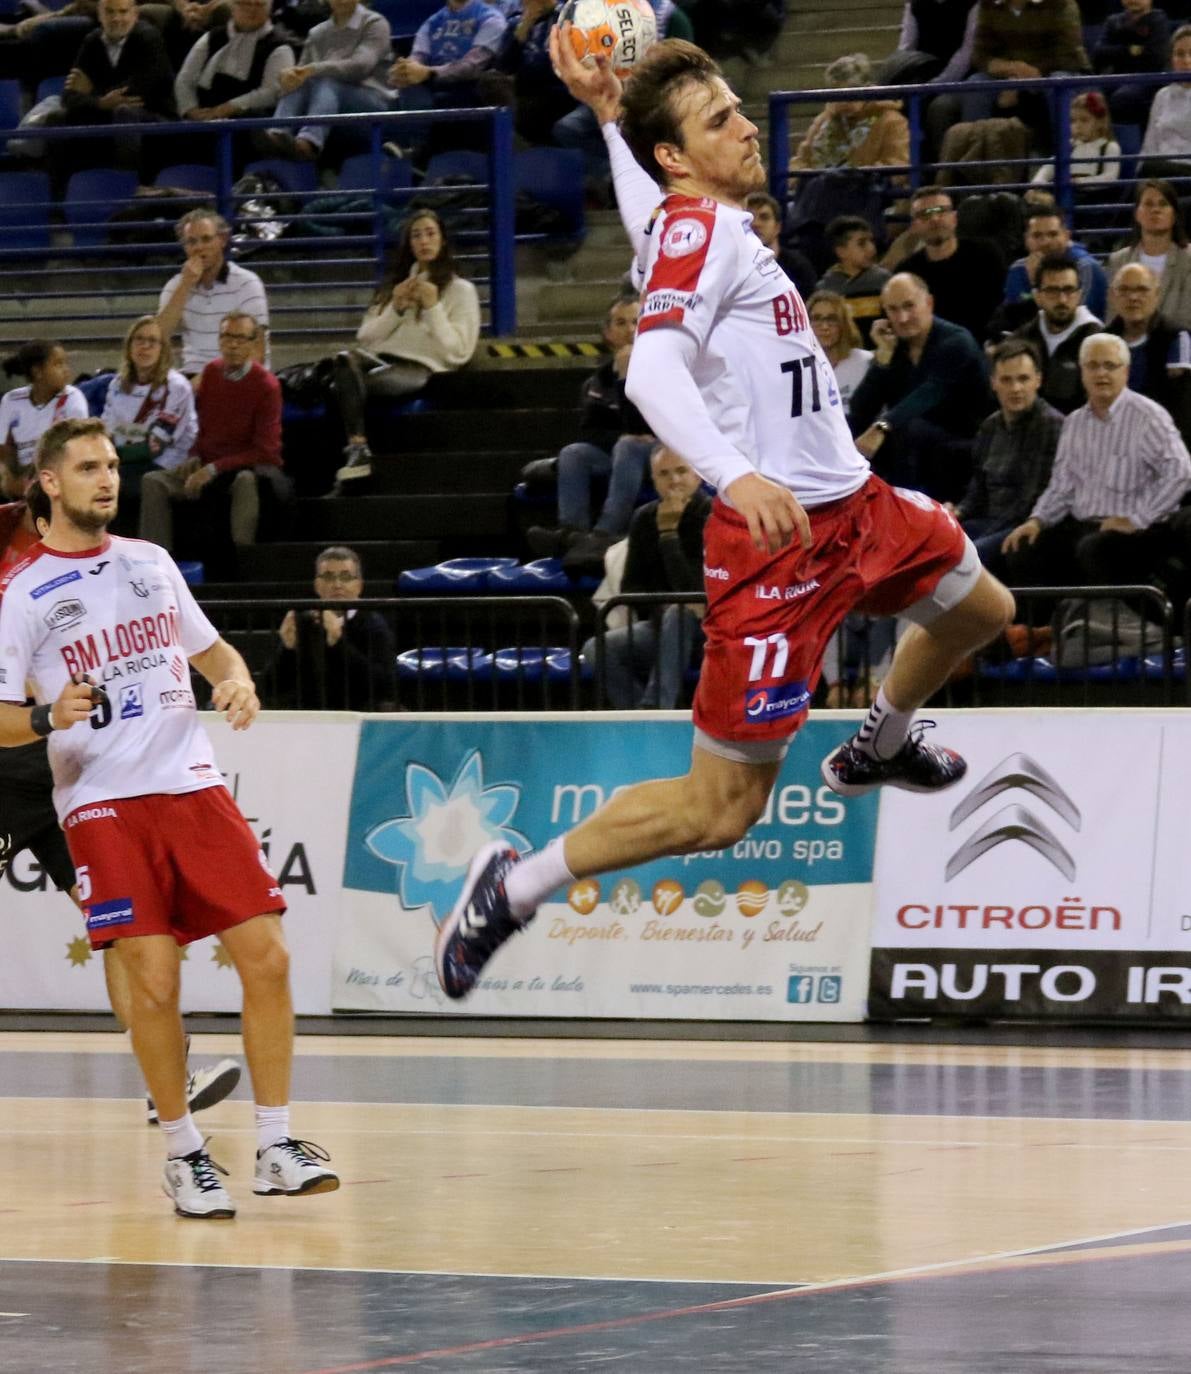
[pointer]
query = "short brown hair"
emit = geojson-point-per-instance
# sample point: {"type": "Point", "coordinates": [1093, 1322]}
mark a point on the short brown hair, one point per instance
{"type": "Point", "coordinates": [1008, 349]}
{"type": "Point", "coordinates": [647, 113]}
{"type": "Point", "coordinates": [53, 442]}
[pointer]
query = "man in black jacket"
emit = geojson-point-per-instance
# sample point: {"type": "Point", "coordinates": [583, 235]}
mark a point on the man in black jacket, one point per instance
{"type": "Point", "coordinates": [336, 659]}
{"type": "Point", "coordinates": [644, 661]}
{"type": "Point", "coordinates": [1062, 323]}
{"type": "Point", "coordinates": [1159, 352]}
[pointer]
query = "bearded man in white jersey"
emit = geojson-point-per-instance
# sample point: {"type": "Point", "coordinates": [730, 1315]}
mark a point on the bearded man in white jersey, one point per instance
{"type": "Point", "coordinates": [728, 373]}
{"type": "Point", "coordinates": [103, 627]}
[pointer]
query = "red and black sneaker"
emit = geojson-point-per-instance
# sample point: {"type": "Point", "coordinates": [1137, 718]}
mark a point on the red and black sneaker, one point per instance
{"type": "Point", "coordinates": [916, 767]}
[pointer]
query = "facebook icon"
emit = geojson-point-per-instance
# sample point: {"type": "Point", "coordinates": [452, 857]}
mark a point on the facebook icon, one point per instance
{"type": "Point", "coordinates": [800, 988]}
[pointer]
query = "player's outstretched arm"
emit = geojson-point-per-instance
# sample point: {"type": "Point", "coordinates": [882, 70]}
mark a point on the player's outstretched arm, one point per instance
{"type": "Point", "coordinates": [17, 723]}
{"type": "Point", "coordinates": [234, 691]}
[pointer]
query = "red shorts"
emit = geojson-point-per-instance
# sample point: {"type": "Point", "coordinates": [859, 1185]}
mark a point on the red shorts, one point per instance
{"type": "Point", "coordinates": [185, 865]}
{"type": "Point", "coordinates": [770, 616]}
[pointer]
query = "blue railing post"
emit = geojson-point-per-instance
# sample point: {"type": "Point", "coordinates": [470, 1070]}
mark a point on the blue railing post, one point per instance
{"type": "Point", "coordinates": [375, 135]}
{"type": "Point", "coordinates": [779, 152]}
{"type": "Point", "coordinates": [1064, 191]}
{"type": "Point", "coordinates": [915, 119]}
{"type": "Point", "coordinates": [223, 176]}
{"type": "Point", "coordinates": [502, 224]}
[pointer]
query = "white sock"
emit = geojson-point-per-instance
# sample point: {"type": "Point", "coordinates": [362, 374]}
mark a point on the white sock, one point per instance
{"type": "Point", "coordinates": [885, 728]}
{"type": "Point", "coordinates": [181, 1136]}
{"type": "Point", "coordinates": [532, 880]}
{"type": "Point", "coordinates": [272, 1125]}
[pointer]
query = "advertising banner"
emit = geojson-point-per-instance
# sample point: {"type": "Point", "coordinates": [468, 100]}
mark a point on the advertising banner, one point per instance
{"type": "Point", "coordinates": [292, 777]}
{"type": "Point", "coordinates": [774, 928]}
{"type": "Point", "coordinates": [1051, 881]}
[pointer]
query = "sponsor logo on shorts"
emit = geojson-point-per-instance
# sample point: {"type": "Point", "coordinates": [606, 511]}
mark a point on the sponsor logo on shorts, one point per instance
{"type": "Point", "coordinates": [274, 892]}
{"type": "Point", "coordinates": [46, 587]}
{"type": "Point", "coordinates": [175, 698]}
{"type": "Point", "coordinates": [715, 574]}
{"type": "Point", "coordinates": [117, 912]}
{"type": "Point", "coordinates": [63, 614]}
{"type": "Point", "coordinates": [684, 237]}
{"type": "Point", "coordinates": [132, 701]}
{"type": "Point", "coordinates": [772, 593]}
{"type": "Point", "coordinates": [92, 813]}
{"type": "Point", "coordinates": [774, 703]}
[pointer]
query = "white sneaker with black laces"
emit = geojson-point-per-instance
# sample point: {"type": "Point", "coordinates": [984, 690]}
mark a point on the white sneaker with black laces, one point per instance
{"type": "Point", "coordinates": [293, 1167]}
{"type": "Point", "coordinates": [192, 1183]}
{"type": "Point", "coordinates": [205, 1087]}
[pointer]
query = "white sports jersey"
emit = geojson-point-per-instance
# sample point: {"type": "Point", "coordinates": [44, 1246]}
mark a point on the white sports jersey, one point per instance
{"type": "Point", "coordinates": [22, 423]}
{"type": "Point", "coordinates": [765, 396]}
{"type": "Point", "coordinates": [122, 615]}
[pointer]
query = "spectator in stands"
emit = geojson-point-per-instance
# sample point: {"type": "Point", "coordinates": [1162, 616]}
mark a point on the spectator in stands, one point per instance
{"type": "Point", "coordinates": [239, 440]}
{"type": "Point", "coordinates": [235, 70]}
{"type": "Point", "coordinates": [1023, 40]}
{"type": "Point", "coordinates": [1119, 474]}
{"type": "Point", "coordinates": [739, 28]}
{"type": "Point", "coordinates": [1046, 234]}
{"type": "Point", "coordinates": [767, 225]}
{"type": "Point", "coordinates": [149, 411]}
{"type": "Point", "coordinates": [26, 412]}
{"type": "Point", "coordinates": [1058, 329]}
{"type": "Point", "coordinates": [672, 22]}
{"type": "Point", "coordinates": [1159, 353]}
{"type": "Point", "coordinates": [184, 23]}
{"type": "Point", "coordinates": [342, 70]}
{"type": "Point", "coordinates": [935, 43]}
{"type": "Point", "coordinates": [120, 75]}
{"type": "Point", "coordinates": [1159, 242]}
{"type": "Point", "coordinates": [45, 43]}
{"type": "Point", "coordinates": [1013, 453]}
{"type": "Point", "coordinates": [854, 133]}
{"type": "Point", "coordinates": [922, 398]}
{"type": "Point", "coordinates": [208, 286]}
{"type": "Point", "coordinates": [449, 52]}
{"type": "Point", "coordinates": [1095, 152]}
{"type": "Point", "coordinates": [644, 660]}
{"type": "Point", "coordinates": [614, 441]}
{"type": "Point", "coordinates": [831, 319]}
{"type": "Point", "coordinates": [424, 318]}
{"type": "Point", "coordinates": [1131, 43]}
{"type": "Point", "coordinates": [540, 99]}
{"type": "Point", "coordinates": [963, 275]}
{"type": "Point", "coordinates": [340, 658]}
{"type": "Point", "coordinates": [1166, 147]}
{"type": "Point", "coordinates": [855, 275]}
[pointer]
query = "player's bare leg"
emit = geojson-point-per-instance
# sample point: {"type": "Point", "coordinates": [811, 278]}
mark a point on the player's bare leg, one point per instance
{"type": "Point", "coordinates": [284, 1165]}
{"type": "Point", "coordinates": [150, 967]}
{"type": "Point", "coordinates": [711, 807]}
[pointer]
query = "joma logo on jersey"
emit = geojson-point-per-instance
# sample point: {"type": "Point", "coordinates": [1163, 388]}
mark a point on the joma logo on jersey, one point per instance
{"type": "Point", "coordinates": [789, 315]}
{"type": "Point", "coordinates": [63, 614]}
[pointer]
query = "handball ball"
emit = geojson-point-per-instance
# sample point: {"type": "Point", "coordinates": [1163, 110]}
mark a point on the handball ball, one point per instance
{"type": "Point", "coordinates": [622, 30]}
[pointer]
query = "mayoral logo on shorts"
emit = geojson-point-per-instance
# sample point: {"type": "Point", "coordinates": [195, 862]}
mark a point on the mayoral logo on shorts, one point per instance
{"type": "Point", "coordinates": [444, 825]}
{"type": "Point", "coordinates": [683, 237]}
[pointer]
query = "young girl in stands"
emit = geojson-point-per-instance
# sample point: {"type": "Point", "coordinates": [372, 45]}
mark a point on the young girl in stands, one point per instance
{"type": "Point", "coordinates": [424, 318]}
{"type": "Point", "coordinates": [1095, 153]}
{"type": "Point", "coordinates": [26, 412]}
{"type": "Point", "coordinates": [149, 409]}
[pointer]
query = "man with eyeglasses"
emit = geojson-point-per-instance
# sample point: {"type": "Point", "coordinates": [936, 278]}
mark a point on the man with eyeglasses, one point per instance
{"type": "Point", "coordinates": [1046, 233]}
{"type": "Point", "coordinates": [963, 275]}
{"type": "Point", "coordinates": [239, 440]}
{"type": "Point", "coordinates": [1120, 471]}
{"type": "Point", "coordinates": [209, 286]}
{"type": "Point", "coordinates": [1062, 324]}
{"type": "Point", "coordinates": [340, 658]}
{"type": "Point", "coordinates": [1159, 352]}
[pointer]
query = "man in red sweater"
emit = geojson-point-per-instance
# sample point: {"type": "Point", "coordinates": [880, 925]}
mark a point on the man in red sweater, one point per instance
{"type": "Point", "coordinates": [239, 440]}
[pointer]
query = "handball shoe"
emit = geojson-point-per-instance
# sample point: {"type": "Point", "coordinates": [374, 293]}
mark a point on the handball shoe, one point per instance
{"type": "Point", "coordinates": [192, 1183]}
{"type": "Point", "coordinates": [293, 1167]}
{"type": "Point", "coordinates": [205, 1087]}
{"type": "Point", "coordinates": [479, 923]}
{"type": "Point", "coordinates": [916, 767]}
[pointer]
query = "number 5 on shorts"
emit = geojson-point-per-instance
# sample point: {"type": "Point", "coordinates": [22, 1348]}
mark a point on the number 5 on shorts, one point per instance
{"type": "Point", "coordinates": [83, 880]}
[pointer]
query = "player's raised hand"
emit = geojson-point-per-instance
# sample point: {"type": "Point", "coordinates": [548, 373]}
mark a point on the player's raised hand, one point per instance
{"type": "Point", "coordinates": [74, 703]}
{"type": "Point", "coordinates": [597, 87]}
{"type": "Point", "coordinates": [773, 514]}
{"type": "Point", "coordinates": [238, 701]}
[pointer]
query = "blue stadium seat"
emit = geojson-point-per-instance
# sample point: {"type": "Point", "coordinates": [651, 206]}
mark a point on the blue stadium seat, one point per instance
{"type": "Point", "coordinates": [406, 17]}
{"type": "Point", "coordinates": [1046, 670]}
{"type": "Point", "coordinates": [24, 211]}
{"type": "Point", "coordinates": [539, 578]}
{"type": "Point", "coordinates": [358, 173]}
{"type": "Point", "coordinates": [192, 573]}
{"type": "Point", "coordinates": [433, 664]}
{"type": "Point", "coordinates": [457, 576]}
{"type": "Point", "coordinates": [458, 164]}
{"type": "Point", "coordinates": [91, 198]}
{"type": "Point", "coordinates": [292, 176]}
{"type": "Point", "coordinates": [190, 176]}
{"type": "Point", "coordinates": [1129, 136]}
{"type": "Point", "coordinates": [48, 86]}
{"type": "Point", "coordinates": [529, 663]}
{"type": "Point", "coordinates": [553, 177]}
{"type": "Point", "coordinates": [10, 108]}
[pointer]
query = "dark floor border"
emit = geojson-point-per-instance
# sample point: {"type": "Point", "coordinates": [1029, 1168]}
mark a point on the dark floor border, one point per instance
{"type": "Point", "coordinates": [936, 1032]}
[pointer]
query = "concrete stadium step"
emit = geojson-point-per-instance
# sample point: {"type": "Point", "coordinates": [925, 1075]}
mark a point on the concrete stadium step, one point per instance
{"type": "Point", "coordinates": [293, 560]}
{"type": "Point", "coordinates": [518, 382]}
{"type": "Point", "coordinates": [470, 515]}
{"type": "Point", "coordinates": [431, 474]}
{"type": "Point", "coordinates": [516, 430]}
{"type": "Point", "coordinates": [585, 299]}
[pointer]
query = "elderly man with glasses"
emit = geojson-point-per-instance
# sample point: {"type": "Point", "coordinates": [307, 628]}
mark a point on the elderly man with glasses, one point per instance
{"type": "Point", "coordinates": [1120, 471]}
{"type": "Point", "coordinates": [1159, 352]}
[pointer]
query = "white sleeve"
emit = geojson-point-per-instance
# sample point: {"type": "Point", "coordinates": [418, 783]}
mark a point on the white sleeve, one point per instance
{"type": "Point", "coordinates": [661, 386]}
{"type": "Point", "coordinates": [16, 648]}
{"type": "Point", "coordinates": [637, 194]}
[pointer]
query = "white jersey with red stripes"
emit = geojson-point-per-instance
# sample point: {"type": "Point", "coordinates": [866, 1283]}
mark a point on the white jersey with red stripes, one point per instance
{"type": "Point", "coordinates": [122, 615]}
{"type": "Point", "coordinates": [768, 386]}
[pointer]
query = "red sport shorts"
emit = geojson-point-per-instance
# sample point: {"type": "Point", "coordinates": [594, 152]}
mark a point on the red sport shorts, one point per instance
{"type": "Point", "coordinates": [185, 865]}
{"type": "Point", "coordinates": [770, 616]}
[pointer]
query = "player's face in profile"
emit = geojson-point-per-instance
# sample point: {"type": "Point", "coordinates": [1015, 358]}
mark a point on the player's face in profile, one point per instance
{"type": "Point", "coordinates": [720, 151]}
{"type": "Point", "coordinates": [86, 483]}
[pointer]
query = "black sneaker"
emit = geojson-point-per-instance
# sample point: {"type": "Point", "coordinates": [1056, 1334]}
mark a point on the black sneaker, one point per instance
{"type": "Point", "coordinates": [916, 767]}
{"type": "Point", "coordinates": [479, 923]}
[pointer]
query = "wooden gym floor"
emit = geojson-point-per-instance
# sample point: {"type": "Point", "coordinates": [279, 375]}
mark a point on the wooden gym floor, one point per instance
{"type": "Point", "coordinates": [574, 1205]}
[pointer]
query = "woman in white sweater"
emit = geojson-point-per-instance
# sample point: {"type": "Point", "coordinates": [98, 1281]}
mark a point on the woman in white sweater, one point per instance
{"type": "Point", "coordinates": [424, 319]}
{"type": "Point", "coordinates": [149, 409]}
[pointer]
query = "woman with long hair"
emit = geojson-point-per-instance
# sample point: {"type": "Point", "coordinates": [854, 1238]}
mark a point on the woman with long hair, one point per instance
{"type": "Point", "coordinates": [836, 331]}
{"type": "Point", "coordinates": [149, 410]}
{"type": "Point", "coordinates": [1159, 242]}
{"type": "Point", "coordinates": [26, 412]}
{"type": "Point", "coordinates": [424, 318]}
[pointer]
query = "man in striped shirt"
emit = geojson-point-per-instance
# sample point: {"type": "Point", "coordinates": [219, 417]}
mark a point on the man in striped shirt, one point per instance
{"type": "Point", "coordinates": [1120, 472]}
